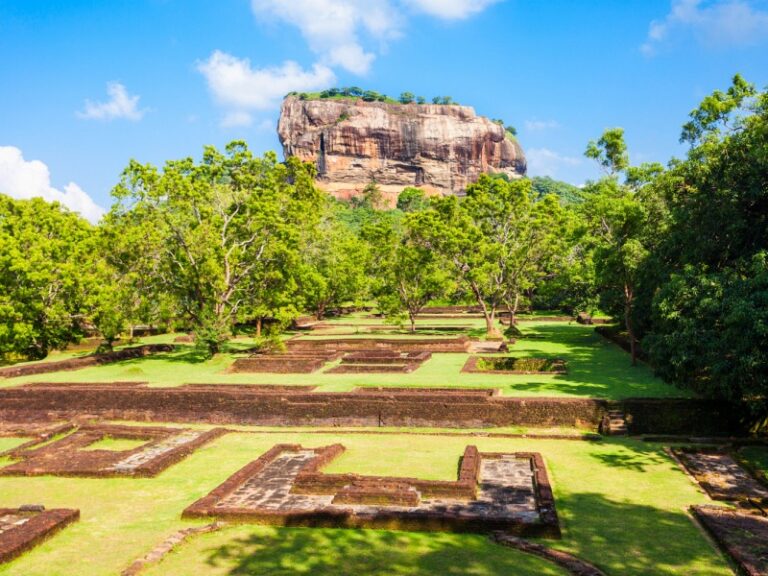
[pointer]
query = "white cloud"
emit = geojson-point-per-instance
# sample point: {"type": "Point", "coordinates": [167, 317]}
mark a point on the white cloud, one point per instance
{"type": "Point", "coordinates": [241, 89]}
{"type": "Point", "coordinates": [333, 28]}
{"type": "Point", "coordinates": [545, 162]}
{"type": "Point", "coordinates": [450, 9]}
{"type": "Point", "coordinates": [120, 105]}
{"type": "Point", "coordinates": [541, 125]}
{"type": "Point", "coordinates": [24, 179]}
{"type": "Point", "coordinates": [718, 23]}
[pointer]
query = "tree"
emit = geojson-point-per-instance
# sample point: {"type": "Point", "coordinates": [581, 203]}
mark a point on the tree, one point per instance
{"type": "Point", "coordinates": [407, 98]}
{"type": "Point", "coordinates": [43, 248]}
{"type": "Point", "coordinates": [706, 284]}
{"type": "Point", "coordinates": [420, 100]}
{"type": "Point", "coordinates": [412, 200]}
{"type": "Point", "coordinates": [567, 193]}
{"type": "Point", "coordinates": [488, 239]}
{"type": "Point", "coordinates": [229, 232]}
{"type": "Point", "coordinates": [617, 220]}
{"type": "Point", "coordinates": [408, 273]}
{"type": "Point", "coordinates": [333, 266]}
{"type": "Point", "coordinates": [371, 198]}
{"type": "Point", "coordinates": [610, 151]}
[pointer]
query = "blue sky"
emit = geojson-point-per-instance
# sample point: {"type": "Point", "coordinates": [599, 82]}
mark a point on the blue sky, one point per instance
{"type": "Point", "coordinates": [89, 84]}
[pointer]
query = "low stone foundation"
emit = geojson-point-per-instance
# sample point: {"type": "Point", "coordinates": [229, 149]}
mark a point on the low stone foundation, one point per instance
{"type": "Point", "coordinates": [69, 456]}
{"type": "Point", "coordinates": [286, 487]}
{"type": "Point", "coordinates": [22, 529]}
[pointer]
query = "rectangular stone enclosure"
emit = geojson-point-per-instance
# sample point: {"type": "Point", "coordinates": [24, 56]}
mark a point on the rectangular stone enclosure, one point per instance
{"type": "Point", "coordinates": [72, 455]}
{"type": "Point", "coordinates": [286, 487]}
{"type": "Point", "coordinates": [23, 528]}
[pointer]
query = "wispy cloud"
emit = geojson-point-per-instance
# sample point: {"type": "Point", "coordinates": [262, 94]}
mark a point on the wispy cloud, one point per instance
{"type": "Point", "coordinates": [24, 179]}
{"type": "Point", "coordinates": [120, 105]}
{"type": "Point", "coordinates": [541, 125]}
{"type": "Point", "coordinates": [718, 23]}
{"type": "Point", "coordinates": [451, 9]}
{"type": "Point", "coordinates": [545, 162]}
{"type": "Point", "coordinates": [241, 89]}
{"type": "Point", "coordinates": [347, 33]}
{"type": "Point", "coordinates": [335, 29]}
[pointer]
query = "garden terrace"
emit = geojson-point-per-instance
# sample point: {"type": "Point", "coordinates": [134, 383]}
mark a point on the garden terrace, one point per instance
{"type": "Point", "coordinates": [453, 344]}
{"type": "Point", "coordinates": [743, 536]}
{"type": "Point", "coordinates": [247, 405]}
{"type": "Point", "coordinates": [23, 528]}
{"type": "Point", "coordinates": [73, 454]}
{"type": "Point", "coordinates": [23, 435]}
{"type": "Point", "coordinates": [374, 361]}
{"type": "Point", "coordinates": [508, 365]}
{"type": "Point", "coordinates": [83, 362]}
{"type": "Point", "coordinates": [285, 487]}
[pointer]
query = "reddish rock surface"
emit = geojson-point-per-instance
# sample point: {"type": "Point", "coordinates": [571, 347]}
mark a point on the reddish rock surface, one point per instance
{"type": "Point", "coordinates": [439, 148]}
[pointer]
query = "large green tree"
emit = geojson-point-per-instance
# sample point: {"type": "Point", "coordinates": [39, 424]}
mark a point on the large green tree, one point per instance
{"type": "Point", "coordinates": [230, 232]}
{"type": "Point", "coordinates": [44, 254]}
{"type": "Point", "coordinates": [706, 313]}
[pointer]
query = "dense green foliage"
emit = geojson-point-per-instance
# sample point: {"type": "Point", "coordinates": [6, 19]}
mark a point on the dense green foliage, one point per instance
{"type": "Point", "coordinates": [677, 255]}
{"type": "Point", "coordinates": [567, 193]}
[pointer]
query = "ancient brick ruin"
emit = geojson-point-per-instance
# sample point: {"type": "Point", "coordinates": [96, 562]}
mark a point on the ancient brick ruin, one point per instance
{"type": "Point", "coordinates": [70, 456]}
{"type": "Point", "coordinates": [23, 528]}
{"type": "Point", "coordinates": [286, 486]}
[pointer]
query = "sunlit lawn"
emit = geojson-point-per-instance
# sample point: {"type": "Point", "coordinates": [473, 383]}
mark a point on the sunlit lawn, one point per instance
{"type": "Point", "coordinates": [596, 368]}
{"type": "Point", "coordinates": [622, 504]}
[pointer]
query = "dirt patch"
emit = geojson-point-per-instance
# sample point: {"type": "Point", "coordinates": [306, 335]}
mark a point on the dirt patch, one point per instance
{"type": "Point", "coordinates": [286, 487]}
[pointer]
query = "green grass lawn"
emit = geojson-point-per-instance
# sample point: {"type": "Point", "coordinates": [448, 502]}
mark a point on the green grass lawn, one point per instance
{"type": "Point", "coordinates": [596, 368]}
{"type": "Point", "coordinates": [622, 505]}
{"type": "Point", "coordinates": [8, 443]}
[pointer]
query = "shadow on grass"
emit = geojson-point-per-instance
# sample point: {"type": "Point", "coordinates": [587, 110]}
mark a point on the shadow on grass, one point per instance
{"type": "Point", "coordinates": [596, 368]}
{"type": "Point", "coordinates": [620, 537]}
{"type": "Point", "coordinates": [321, 552]}
{"type": "Point", "coordinates": [634, 539]}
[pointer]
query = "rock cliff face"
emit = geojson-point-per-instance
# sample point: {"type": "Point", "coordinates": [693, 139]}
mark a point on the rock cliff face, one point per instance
{"type": "Point", "coordinates": [437, 147]}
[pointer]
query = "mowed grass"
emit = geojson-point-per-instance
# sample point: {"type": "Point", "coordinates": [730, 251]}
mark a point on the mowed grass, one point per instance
{"type": "Point", "coordinates": [596, 368]}
{"type": "Point", "coordinates": [622, 505]}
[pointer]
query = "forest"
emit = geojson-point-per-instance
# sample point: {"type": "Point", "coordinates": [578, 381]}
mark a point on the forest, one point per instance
{"type": "Point", "coordinates": [676, 254]}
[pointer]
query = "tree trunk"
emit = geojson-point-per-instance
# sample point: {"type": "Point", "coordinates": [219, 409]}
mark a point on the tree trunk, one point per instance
{"type": "Point", "coordinates": [513, 310]}
{"type": "Point", "coordinates": [628, 323]}
{"type": "Point", "coordinates": [412, 318]}
{"type": "Point", "coordinates": [258, 327]}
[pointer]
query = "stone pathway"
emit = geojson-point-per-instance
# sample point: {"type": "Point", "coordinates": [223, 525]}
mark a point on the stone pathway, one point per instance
{"type": "Point", "coordinates": [722, 477]}
{"type": "Point", "coordinates": [131, 463]}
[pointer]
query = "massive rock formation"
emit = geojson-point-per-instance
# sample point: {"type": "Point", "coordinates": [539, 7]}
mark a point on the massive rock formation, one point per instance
{"type": "Point", "coordinates": [441, 148]}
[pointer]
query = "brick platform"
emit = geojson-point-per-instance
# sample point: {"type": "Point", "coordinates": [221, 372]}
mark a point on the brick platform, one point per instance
{"type": "Point", "coordinates": [23, 528]}
{"type": "Point", "coordinates": [743, 536]}
{"type": "Point", "coordinates": [285, 487]}
{"type": "Point", "coordinates": [245, 404]}
{"type": "Point", "coordinates": [69, 456]}
{"type": "Point", "coordinates": [721, 476]}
